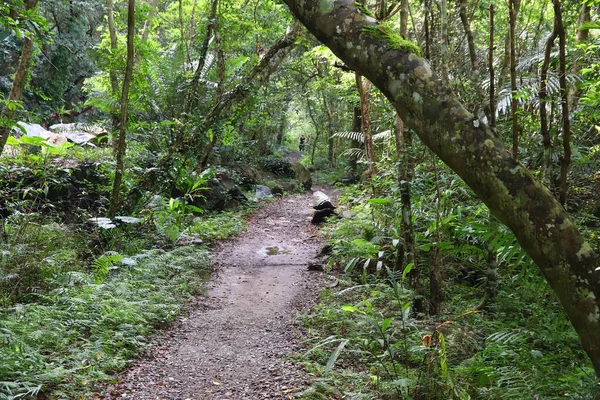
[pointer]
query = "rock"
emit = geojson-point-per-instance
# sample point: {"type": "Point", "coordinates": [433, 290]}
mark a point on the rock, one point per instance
{"type": "Point", "coordinates": [325, 250]}
{"type": "Point", "coordinates": [261, 191]}
{"type": "Point", "coordinates": [323, 205]}
{"type": "Point", "coordinates": [320, 215]}
{"type": "Point", "coordinates": [277, 190]}
{"type": "Point", "coordinates": [312, 266]}
{"type": "Point", "coordinates": [222, 193]}
{"type": "Point", "coordinates": [321, 201]}
{"type": "Point", "coordinates": [288, 187]}
{"type": "Point", "coordinates": [303, 176]}
{"type": "Point", "coordinates": [247, 174]}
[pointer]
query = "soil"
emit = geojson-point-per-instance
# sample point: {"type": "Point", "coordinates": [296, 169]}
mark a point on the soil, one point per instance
{"type": "Point", "coordinates": [235, 342]}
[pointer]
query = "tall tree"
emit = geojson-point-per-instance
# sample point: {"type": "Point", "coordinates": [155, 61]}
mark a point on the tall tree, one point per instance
{"type": "Point", "coordinates": [121, 144]}
{"type": "Point", "coordinates": [473, 151]}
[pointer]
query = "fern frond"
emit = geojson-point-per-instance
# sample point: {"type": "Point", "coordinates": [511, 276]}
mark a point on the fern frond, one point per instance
{"type": "Point", "coordinates": [358, 136]}
{"type": "Point", "coordinates": [354, 153]}
{"type": "Point", "coordinates": [383, 136]}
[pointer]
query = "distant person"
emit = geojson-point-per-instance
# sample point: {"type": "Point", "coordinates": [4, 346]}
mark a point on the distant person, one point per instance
{"type": "Point", "coordinates": [302, 142]}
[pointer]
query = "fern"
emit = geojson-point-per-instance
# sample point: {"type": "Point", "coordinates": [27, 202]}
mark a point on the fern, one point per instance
{"type": "Point", "coordinates": [357, 136]}
{"type": "Point", "coordinates": [102, 265]}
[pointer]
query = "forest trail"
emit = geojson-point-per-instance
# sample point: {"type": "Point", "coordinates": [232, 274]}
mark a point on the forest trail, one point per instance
{"type": "Point", "coordinates": [234, 342]}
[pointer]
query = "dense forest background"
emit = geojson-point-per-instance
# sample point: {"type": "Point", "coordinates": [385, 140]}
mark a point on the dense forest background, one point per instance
{"type": "Point", "coordinates": [135, 132]}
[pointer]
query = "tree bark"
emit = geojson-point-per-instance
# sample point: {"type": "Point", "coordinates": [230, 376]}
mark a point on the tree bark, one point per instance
{"type": "Point", "coordinates": [19, 81]}
{"type": "Point", "coordinates": [475, 153]}
{"type": "Point", "coordinates": [512, 17]}
{"type": "Point", "coordinates": [364, 89]}
{"type": "Point", "coordinates": [581, 37]}
{"type": "Point", "coordinates": [462, 11]}
{"type": "Point", "coordinates": [121, 145]}
{"type": "Point", "coordinates": [491, 68]}
{"type": "Point", "coordinates": [565, 160]}
{"type": "Point", "coordinates": [543, 94]}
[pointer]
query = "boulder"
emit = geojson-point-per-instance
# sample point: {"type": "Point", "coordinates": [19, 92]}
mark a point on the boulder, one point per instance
{"type": "Point", "coordinates": [261, 191]}
{"type": "Point", "coordinates": [222, 193]}
{"type": "Point", "coordinates": [323, 207]}
{"type": "Point", "coordinates": [302, 176]}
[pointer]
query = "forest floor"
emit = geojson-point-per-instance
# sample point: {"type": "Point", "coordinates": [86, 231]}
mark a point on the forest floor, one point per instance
{"type": "Point", "coordinates": [235, 341]}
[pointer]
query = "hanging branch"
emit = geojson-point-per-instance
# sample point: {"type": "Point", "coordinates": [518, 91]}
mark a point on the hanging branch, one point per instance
{"type": "Point", "coordinates": [565, 161]}
{"type": "Point", "coordinates": [543, 94]}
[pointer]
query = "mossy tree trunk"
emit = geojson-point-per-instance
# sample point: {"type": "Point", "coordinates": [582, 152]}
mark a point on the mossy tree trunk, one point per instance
{"type": "Point", "coordinates": [474, 152]}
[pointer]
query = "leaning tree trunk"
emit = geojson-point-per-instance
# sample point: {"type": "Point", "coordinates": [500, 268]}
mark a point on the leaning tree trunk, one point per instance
{"type": "Point", "coordinates": [114, 203]}
{"type": "Point", "coordinates": [19, 81]}
{"type": "Point", "coordinates": [473, 151]}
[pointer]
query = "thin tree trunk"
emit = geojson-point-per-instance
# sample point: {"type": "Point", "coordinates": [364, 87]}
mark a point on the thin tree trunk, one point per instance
{"type": "Point", "coordinates": [491, 68]}
{"type": "Point", "coordinates": [581, 37]}
{"type": "Point", "coordinates": [147, 27]}
{"type": "Point", "coordinates": [364, 90]}
{"type": "Point", "coordinates": [565, 161]}
{"type": "Point", "coordinates": [112, 74]}
{"type": "Point", "coordinates": [543, 94]}
{"type": "Point", "coordinates": [184, 41]}
{"type": "Point", "coordinates": [330, 130]}
{"type": "Point", "coordinates": [407, 251]}
{"type": "Point", "coordinates": [190, 99]}
{"type": "Point", "coordinates": [403, 18]}
{"type": "Point", "coordinates": [121, 147]}
{"type": "Point", "coordinates": [462, 7]}
{"type": "Point", "coordinates": [311, 114]}
{"type": "Point", "coordinates": [427, 35]}
{"type": "Point", "coordinates": [19, 81]}
{"type": "Point", "coordinates": [444, 39]}
{"type": "Point", "coordinates": [435, 269]}
{"type": "Point", "coordinates": [356, 127]}
{"type": "Point", "coordinates": [512, 17]}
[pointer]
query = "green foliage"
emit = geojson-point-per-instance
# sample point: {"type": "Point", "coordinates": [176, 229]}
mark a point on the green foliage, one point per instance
{"type": "Point", "coordinates": [79, 334]}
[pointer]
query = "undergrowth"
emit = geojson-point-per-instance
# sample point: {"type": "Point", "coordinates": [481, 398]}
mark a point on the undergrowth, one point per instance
{"type": "Point", "coordinates": [77, 335]}
{"type": "Point", "coordinates": [365, 342]}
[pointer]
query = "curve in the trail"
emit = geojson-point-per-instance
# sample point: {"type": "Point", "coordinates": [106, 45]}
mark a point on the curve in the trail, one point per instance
{"type": "Point", "coordinates": [234, 344]}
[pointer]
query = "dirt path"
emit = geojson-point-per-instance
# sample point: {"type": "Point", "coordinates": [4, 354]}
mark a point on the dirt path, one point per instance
{"type": "Point", "coordinates": [234, 344]}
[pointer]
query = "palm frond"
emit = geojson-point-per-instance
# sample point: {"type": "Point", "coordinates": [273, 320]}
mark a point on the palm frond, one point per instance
{"type": "Point", "coordinates": [358, 136]}
{"type": "Point", "coordinates": [383, 136]}
{"type": "Point", "coordinates": [354, 153]}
